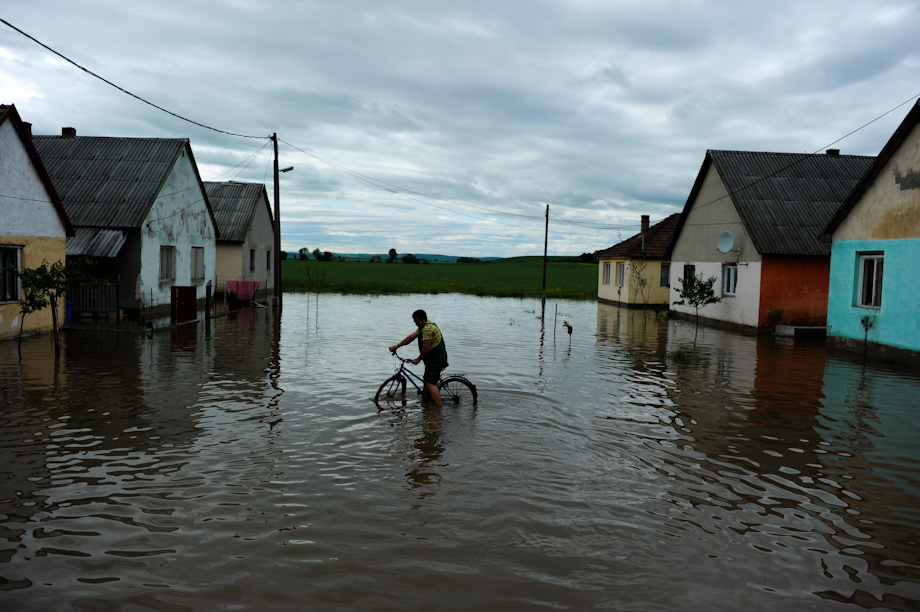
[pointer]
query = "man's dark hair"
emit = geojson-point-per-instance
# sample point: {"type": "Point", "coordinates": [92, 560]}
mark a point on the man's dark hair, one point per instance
{"type": "Point", "coordinates": [420, 314]}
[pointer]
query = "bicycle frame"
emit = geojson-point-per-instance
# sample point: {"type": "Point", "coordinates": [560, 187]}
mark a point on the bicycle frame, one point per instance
{"type": "Point", "coordinates": [412, 377]}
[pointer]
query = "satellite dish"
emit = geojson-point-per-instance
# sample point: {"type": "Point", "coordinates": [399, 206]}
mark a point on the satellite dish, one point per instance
{"type": "Point", "coordinates": [726, 242]}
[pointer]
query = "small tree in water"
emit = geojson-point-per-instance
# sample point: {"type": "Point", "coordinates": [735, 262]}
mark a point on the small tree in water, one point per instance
{"type": "Point", "coordinates": [697, 292]}
{"type": "Point", "coordinates": [44, 286]}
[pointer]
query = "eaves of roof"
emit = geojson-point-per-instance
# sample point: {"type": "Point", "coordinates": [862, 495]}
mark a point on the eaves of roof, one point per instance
{"type": "Point", "coordinates": [891, 147]}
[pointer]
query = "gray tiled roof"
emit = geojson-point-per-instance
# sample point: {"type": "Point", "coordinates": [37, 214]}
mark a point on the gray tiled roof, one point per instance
{"type": "Point", "coordinates": [234, 205]}
{"type": "Point", "coordinates": [108, 182]}
{"type": "Point", "coordinates": [786, 199]}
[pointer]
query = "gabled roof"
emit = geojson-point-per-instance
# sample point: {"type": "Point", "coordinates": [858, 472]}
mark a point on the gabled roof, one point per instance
{"type": "Point", "coordinates": [111, 182]}
{"type": "Point", "coordinates": [234, 205]}
{"type": "Point", "coordinates": [784, 199]}
{"type": "Point", "coordinates": [8, 113]}
{"type": "Point", "coordinates": [653, 244]}
{"type": "Point", "coordinates": [894, 143]}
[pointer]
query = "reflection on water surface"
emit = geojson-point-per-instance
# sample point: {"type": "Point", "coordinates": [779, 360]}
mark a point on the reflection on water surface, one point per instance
{"type": "Point", "coordinates": [639, 463]}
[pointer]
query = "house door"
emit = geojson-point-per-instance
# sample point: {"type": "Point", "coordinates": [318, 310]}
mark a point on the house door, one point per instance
{"type": "Point", "coordinates": [183, 304]}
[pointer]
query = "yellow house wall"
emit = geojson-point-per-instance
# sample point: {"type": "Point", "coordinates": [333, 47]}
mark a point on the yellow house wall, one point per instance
{"type": "Point", "coordinates": [35, 250]}
{"type": "Point", "coordinates": [229, 256]}
{"type": "Point", "coordinates": [631, 291]}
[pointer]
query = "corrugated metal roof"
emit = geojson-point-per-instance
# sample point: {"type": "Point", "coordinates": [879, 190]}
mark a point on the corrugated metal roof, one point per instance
{"type": "Point", "coordinates": [786, 199]}
{"type": "Point", "coordinates": [234, 205]}
{"type": "Point", "coordinates": [108, 182]}
{"type": "Point", "coordinates": [96, 242]}
{"type": "Point", "coordinates": [656, 244]}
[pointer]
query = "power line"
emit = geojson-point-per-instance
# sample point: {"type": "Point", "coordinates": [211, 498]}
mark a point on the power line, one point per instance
{"type": "Point", "coordinates": [123, 90]}
{"type": "Point", "coordinates": [808, 155]}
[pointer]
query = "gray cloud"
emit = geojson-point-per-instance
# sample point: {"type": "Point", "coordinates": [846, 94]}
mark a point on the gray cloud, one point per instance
{"type": "Point", "coordinates": [603, 110]}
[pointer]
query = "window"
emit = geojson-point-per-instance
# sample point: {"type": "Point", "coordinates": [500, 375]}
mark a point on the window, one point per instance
{"type": "Point", "coordinates": [167, 263]}
{"type": "Point", "coordinates": [252, 260]}
{"type": "Point", "coordinates": [665, 276]}
{"type": "Point", "coordinates": [621, 273]}
{"type": "Point", "coordinates": [197, 263]}
{"type": "Point", "coordinates": [871, 270]}
{"type": "Point", "coordinates": [729, 279]}
{"type": "Point", "coordinates": [689, 273]}
{"type": "Point", "coordinates": [268, 260]}
{"type": "Point", "coordinates": [606, 272]}
{"type": "Point", "coordinates": [9, 279]}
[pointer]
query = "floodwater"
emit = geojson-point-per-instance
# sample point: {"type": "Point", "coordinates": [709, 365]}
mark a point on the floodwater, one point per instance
{"type": "Point", "coordinates": [637, 464]}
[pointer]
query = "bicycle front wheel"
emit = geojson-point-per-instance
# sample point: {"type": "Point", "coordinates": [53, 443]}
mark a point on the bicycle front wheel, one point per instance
{"type": "Point", "coordinates": [458, 390]}
{"type": "Point", "coordinates": [393, 388]}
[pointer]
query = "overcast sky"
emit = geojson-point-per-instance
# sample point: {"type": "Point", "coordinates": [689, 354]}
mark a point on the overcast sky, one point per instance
{"type": "Point", "coordinates": [448, 127]}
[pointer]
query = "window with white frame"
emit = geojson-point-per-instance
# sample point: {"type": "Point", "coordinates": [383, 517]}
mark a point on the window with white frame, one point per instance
{"type": "Point", "coordinates": [606, 272]}
{"type": "Point", "coordinates": [665, 280]}
{"type": "Point", "coordinates": [729, 279]}
{"type": "Point", "coordinates": [9, 273]}
{"type": "Point", "coordinates": [197, 263]}
{"type": "Point", "coordinates": [621, 273]}
{"type": "Point", "coordinates": [871, 271]}
{"type": "Point", "coordinates": [167, 263]}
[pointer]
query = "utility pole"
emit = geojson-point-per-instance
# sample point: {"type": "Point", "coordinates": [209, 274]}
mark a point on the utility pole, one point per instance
{"type": "Point", "coordinates": [545, 243]}
{"type": "Point", "coordinates": [277, 227]}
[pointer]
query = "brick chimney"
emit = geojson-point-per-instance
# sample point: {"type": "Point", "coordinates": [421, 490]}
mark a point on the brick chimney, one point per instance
{"type": "Point", "coordinates": [28, 128]}
{"type": "Point", "coordinates": [68, 132]}
{"type": "Point", "coordinates": [644, 223]}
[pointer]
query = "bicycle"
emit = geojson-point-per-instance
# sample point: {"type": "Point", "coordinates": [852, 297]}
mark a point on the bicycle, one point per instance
{"type": "Point", "coordinates": [455, 388]}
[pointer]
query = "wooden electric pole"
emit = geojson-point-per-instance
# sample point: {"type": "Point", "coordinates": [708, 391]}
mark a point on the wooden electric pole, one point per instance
{"type": "Point", "coordinates": [277, 281]}
{"type": "Point", "coordinates": [545, 243]}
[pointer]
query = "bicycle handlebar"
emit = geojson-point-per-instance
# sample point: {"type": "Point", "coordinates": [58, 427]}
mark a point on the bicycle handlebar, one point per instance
{"type": "Point", "coordinates": [400, 358]}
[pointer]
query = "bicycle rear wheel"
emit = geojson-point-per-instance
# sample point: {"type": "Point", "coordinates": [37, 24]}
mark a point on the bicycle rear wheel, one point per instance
{"type": "Point", "coordinates": [458, 390]}
{"type": "Point", "coordinates": [393, 388]}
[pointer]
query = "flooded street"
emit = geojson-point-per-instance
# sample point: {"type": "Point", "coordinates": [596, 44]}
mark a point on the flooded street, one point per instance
{"type": "Point", "coordinates": [638, 464]}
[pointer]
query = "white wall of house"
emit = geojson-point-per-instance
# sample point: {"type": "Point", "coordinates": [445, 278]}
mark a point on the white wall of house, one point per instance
{"type": "Point", "coordinates": [711, 214]}
{"type": "Point", "coordinates": [26, 208]}
{"type": "Point", "coordinates": [179, 219]}
{"type": "Point", "coordinates": [261, 239]}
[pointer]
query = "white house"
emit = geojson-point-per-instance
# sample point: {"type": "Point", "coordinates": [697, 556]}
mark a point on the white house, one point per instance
{"type": "Point", "coordinates": [755, 221]}
{"type": "Point", "coordinates": [140, 208]}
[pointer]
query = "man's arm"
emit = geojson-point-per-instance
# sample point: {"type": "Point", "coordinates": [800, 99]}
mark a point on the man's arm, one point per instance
{"type": "Point", "coordinates": [405, 341]}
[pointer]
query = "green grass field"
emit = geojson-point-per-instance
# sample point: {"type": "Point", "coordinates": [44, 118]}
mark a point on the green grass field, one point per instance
{"type": "Point", "coordinates": [512, 277]}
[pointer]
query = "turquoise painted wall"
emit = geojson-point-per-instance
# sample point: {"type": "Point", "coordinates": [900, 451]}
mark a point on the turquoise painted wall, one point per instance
{"type": "Point", "coordinates": [897, 322]}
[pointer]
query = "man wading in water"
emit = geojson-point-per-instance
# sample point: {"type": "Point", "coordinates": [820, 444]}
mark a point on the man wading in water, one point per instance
{"type": "Point", "coordinates": [432, 351]}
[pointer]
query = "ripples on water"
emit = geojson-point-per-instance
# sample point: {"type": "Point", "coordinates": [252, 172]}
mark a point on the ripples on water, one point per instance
{"type": "Point", "coordinates": [636, 465]}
